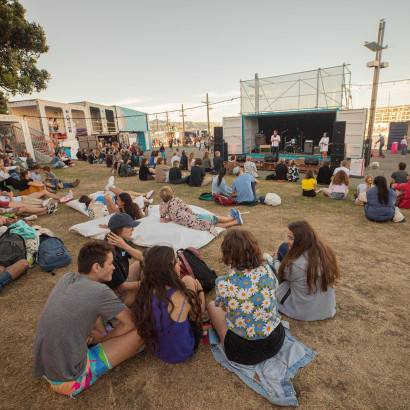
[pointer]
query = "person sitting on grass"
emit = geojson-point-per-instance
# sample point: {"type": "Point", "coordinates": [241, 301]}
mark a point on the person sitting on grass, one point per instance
{"type": "Point", "coordinates": [92, 157]}
{"type": "Point", "coordinates": [218, 162]}
{"type": "Point", "coordinates": [309, 184]}
{"type": "Point", "coordinates": [400, 176]}
{"type": "Point", "coordinates": [57, 161]}
{"type": "Point", "coordinates": [250, 168]}
{"type": "Point", "coordinates": [191, 161]}
{"type": "Point", "coordinates": [145, 173]}
{"type": "Point", "coordinates": [404, 195]}
{"type": "Point", "coordinates": [25, 205]}
{"type": "Point", "coordinates": [219, 186]}
{"type": "Point", "coordinates": [36, 177]}
{"type": "Point", "coordinates": [72, 320]}
{"type": "Point", "coordinates": [243, 187]}
{"type": "Point", "coordinates": [245, 312]}
{"type": "Point", "coordinates": [161, 170]}
{"type": "Point", "coordinates": [231, 165]}
{"type": "Point", "coordinates": [126, 276]}
{"type": "Point", "coordinates": [184, 161]}
{"type": "Point", "coordinates": [344, 166]}
{"type": "Point", "coordinates": [307, 270]}
{"type": "Point", "coordinates": [368, 183]}
{"type": "Point", "coordinates": [380, 201]}
{"type": "Point", "coordinates": [169, 309]}
{"type": "Point", "coordinates": [339, 187]}
{"type": "Point", "coordinates": [281, 171]}
{"type": "Point", "coordinates": [58, 183]}
{"type": "Point", "coordinates": [175, 174]}
{"type": "Point", "coordinates": [197, 177]}
{"type": "Point", "coordinates": [29, 161]}
{"type": "Point", "coordinates": [293, 172]}
{"type": "Point", "coordinates": [324, 175]}
{"type": "Point", "coordinates": [207, 164]}
{"type": "Point", "coordinates": [174, 209]}
{"type": "Point", "coordinates": [9, 273]}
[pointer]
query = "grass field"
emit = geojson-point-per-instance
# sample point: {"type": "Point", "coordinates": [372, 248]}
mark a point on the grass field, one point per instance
{"type": "Point", "coordinates": [363, 351]}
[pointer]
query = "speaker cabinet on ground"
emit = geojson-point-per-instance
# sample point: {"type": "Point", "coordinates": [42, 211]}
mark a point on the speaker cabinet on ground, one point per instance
{"type": "Point", "coordinates": [241, 158]}
{"type": "Point", "coordinates": [339, 131]}
{"type": "Point", "coordinates": [218, 135]}
{"type": "Point", "coordinates": [271, 157]}
{"type": "Point", "coordinates": [308, 147]}
{"type": "Point", "coordinates": [225, 151]}
{"type": "Point", "coordinates": [311, 161]}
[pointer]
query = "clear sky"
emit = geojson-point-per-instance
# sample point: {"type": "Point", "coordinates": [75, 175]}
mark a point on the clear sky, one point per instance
{"type": "Point", "coordinates": [157, 54]}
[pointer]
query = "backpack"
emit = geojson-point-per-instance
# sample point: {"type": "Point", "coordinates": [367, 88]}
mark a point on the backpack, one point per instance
{"type": "Point", "coordinates": [224, 200]}
{"type": "Point", "coordinates": [193, 265]}
{"type": "Point", "coordinates": [52, 253]}
{"type": "Point", "coordinates": [12, 248]}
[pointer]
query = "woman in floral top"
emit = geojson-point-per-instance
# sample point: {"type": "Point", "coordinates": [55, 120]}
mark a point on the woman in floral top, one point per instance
{"type": "Point", "coordinates": [174, 209]}
{"type": "Point", "coordinates": [250, 168]}
{"type": "Point", "coordinates": [293, 172]}
{"type": "Point", "coordinates": [245, 313]}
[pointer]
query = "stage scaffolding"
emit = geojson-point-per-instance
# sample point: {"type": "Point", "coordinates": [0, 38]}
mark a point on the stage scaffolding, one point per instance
{"type": "Point", "coordinates": [324, 88]}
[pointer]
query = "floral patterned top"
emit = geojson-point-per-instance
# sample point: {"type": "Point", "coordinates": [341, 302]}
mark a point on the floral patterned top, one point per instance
{"type": "Point", "coordinates": [250, 168]}
{"type": "Point", "coordinates": [250, 297]}
{"type": "Point", "coordinates": [179, 212]}
{"type": "Point", "coordinates": [293, 174]}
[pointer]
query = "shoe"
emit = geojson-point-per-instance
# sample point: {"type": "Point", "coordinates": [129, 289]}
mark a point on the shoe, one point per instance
{"type": "Point", "coordinates": [76, 183]}
{"type": "Point", "coordinates": [149, 194]}
{"type": "Point", "coordinates": [65, 166]}
{"type": "Point", "coordinates": [47, 202]}
{"type": "Point", "coordinates": [70, 194]}
{"type": "Point", "coordinates": [51, 209]}
{"type": "Point", "coordinates": [150, 201]}
{"type": "Point", "coordinates": [66, 199]}
{"type": "Point", "coordinates": [110, 183]}
{"type": "Point", "coordinates": [232, 213]}
{"type": "Point", "coordinates": [238, 218]}
{"type": "Point", "coordinates": [30, 218]}
{"type": "Point", "coordinates": [320, 189]}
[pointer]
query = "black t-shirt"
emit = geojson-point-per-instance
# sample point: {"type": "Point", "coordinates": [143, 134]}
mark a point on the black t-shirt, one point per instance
{"type": "Point", "coordinates": [400, 177]}
{"type": "Point", "coordinates": [23, 185]}
{"type": "Point", "coordinates": [184, 162]}
{"type": "Point", "coordinates": [218, 163]}
{"type": "Point", "coordinates": [122, 267]}
{"type": "Point", "coordinates": [197, 176]}
{"type": "Point", "coordinates": [144, 171]}
{"type": "Point", "coordinates": [324, 175]}
{"type": "Point", "coordinates": [174, 174]}
{"type": "Point", "coordinates": [281, 171]}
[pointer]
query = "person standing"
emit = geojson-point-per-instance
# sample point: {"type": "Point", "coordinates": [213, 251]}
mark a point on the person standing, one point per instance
{"type": "Point", "coordinates": [324, 146]}
{"type": "Point", "coordinates": [403, 145]}
{"type": "Point", "coordinates": [381, 142]}
{"type": "Point", "coordinates": [275, 142]}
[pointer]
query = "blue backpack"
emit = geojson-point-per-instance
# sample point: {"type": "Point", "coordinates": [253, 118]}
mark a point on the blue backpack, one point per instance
{"type": "Point", "coordinates": [52, 253]}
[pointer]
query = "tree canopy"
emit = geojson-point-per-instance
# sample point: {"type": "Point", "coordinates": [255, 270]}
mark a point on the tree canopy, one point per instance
{"type": "Point", "coordinates": [21, 45]}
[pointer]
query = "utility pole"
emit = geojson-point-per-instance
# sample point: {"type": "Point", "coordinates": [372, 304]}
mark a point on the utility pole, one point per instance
{"type": "Point", "coordinates": [167, 123]}
{"type": "Point", "coordinates": [377, 65]}
{"type": "Point", "coordinates": [157, 127]}
{"type": "Point", "coordinates": [208, 108]}
{"type": "Point", "coordinates": [183, 122]}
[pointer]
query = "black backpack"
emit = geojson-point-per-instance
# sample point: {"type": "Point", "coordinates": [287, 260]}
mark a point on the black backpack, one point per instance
{"type": "Point", "coordinates": [12, 248]}
{"type": "Point", "coordinates": [193, 265]}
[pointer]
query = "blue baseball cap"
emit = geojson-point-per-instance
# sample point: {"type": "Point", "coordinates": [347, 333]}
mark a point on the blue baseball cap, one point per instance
{"type": "Point", "coordinates": [121, 220]}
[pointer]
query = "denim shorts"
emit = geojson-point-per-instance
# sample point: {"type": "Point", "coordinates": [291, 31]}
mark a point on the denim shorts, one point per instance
{"type": "Point", "coordinates": [337, 195]}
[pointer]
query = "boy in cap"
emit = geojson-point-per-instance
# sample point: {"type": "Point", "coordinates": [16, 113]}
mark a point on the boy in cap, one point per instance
{"type": "Point", "coordinates": [125, 279]}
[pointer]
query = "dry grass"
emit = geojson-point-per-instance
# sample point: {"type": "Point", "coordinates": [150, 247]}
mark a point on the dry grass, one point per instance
{"type": "Point", "coordinates": [362, 357]}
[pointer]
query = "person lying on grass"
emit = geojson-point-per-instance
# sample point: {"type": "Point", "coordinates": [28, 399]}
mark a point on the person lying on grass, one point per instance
{"type": "Point", "coordinates": [245, 313]}
{"type": "Point", "coordinates": [307, 270]}
{"type": "Point", "coordinates": [25, 205]}
{"type": "Point", "coordinates": [72, 320]}
{"type": "Point", "coordinates": [58, 183]}
{"type": "Point", "coordinates": [174, 209]}
{"type": "Point", "coordinates": [169, 309]}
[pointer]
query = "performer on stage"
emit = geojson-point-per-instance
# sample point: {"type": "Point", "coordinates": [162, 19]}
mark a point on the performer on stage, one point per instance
{"type": "Point", "coordinates": [324, 146]}
{"type": "Point", "coordinates": [275, 141]}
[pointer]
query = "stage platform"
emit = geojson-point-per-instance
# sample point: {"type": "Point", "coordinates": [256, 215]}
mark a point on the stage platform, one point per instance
{"type": "Point", "coordinates": [288, 156]}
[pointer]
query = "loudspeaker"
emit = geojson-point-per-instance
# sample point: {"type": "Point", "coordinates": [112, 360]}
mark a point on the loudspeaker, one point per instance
{"type": "Point", "coordinates": [219, 147]}
{"type": "Point", "coordinates": [316, 150]}
{"type": "Point", "coordinates": [339, 131]}
{"type": "Point", "coordinates": [241, 158]}
{"type": "Point", "coordinates": [338, 149]}
{"type": "Point", "coordinates": [271, 157]}
{"type": "Point", "coordinates": [218, 135]}
{"type": "Point", "coordinates": [311, 161]}
{"type": "Point", "coordinates": [225, 151]}
{"type": "Point", "coordinates": [335, 160]}
{"type": "Point", "coordinates": [308, 147]}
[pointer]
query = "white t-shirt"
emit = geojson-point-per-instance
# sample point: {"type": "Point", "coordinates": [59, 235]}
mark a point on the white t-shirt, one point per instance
{"type": "Point", "coordinates": [347, 170]}
{"type": "Point", "coordinates": [324, 144]}
{"type": "Point", "coordinates": [403, 141]}
{"type": "Point", "coordinates": [275, 140]}
{"type": "Point", "coordinates": [175, 158]}
{"type": "Point", "coordinates": [362, 188]}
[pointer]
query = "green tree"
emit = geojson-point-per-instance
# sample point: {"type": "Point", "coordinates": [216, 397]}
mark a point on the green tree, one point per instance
{"type": "Point", "coordinates": [21, 45]}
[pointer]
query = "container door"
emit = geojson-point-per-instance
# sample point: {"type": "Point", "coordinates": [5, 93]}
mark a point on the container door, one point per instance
{"type": "Point", "coordinates": [355, 131]}
{"type": "Point", "coordinates": [250, 129]}
{"type": "Point", "coordinates": [232, 134]}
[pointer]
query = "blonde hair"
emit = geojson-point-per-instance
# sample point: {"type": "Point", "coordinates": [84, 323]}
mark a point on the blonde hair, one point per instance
{"type": "Point", "coordinates": [166, 193]}
{"type": "Point", "coordinates": [248, 158]}
{"type": "Point", "coordinates": [282, 160]}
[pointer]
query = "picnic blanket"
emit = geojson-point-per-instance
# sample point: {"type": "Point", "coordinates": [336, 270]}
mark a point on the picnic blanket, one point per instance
{"type": "Point", "coordinates": [274, 373]}
{"type": "Point", "coordinates": [152, 232]}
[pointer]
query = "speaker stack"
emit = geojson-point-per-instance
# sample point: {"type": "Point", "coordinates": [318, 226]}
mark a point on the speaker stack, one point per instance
{"type": "Point", "coordinates": [241, 157]}
{"type": "Point", "coordinates": [271, 157]}
{"type": "Point", "coordinates": [218, 140]}
{"type": "Point", "coordinates": [338, 143]}
{"type": "Point", "coordinates": [308, 147]}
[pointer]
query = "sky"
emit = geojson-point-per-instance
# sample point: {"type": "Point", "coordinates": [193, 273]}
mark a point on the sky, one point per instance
{"type": "Point", "coordinates": [156, 55]}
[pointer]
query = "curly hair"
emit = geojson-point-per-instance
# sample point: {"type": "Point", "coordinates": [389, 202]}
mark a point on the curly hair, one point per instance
{"type": "Point", "coordinates": [240, 249]}
{"type": "Point", "coordinates": [158, 275]}
{"type": "Point", "coordinates": [322, 264]}
{"type": "Point", "coordinates": [341, 178]}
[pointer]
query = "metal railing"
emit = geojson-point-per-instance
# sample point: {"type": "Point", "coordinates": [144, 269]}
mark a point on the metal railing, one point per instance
{"type": "Point", "coordinates": [40, 143]}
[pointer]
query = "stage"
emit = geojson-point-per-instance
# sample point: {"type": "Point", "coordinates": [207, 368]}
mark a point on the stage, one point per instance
{"type": "Point", "coordinates": [288, 156]}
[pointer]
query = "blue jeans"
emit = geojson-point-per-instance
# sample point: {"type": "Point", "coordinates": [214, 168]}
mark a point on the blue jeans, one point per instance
{"type": "Point", "coordinates": [404, 150]}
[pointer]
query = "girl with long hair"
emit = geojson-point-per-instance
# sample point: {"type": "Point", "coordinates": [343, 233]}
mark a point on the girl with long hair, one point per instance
{"type": "Point", "coordinates": [191, 161]}
{"type": "Point", "coordinates": [339, 187]}
{"type": "Point", "coordinates": [169, 309]}
{"type": "Point", "coordinates": [250, 168]}
{"type": "Point", "coordinates": [207, 165]}
{"type": "Point", "coordinates": [145, 173]}
{"type": "Point", "coordinates": [364, 187]}
{"type": "Point", "coordinates": [219, 186]}
{"type": "Point", "coordinates": [245, 313]}
{"type": "Point", "coordinates": [124, 204]}
{"type": "Point", "coordinates": [309, 184]}
{"type": "Point", "coordinates": [308, 272]}
{"type": "Point", "coordinates": [380, 201]}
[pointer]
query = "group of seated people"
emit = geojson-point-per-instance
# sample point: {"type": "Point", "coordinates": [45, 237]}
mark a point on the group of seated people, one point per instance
{"type": "Point", "coordinates": [158, 308]}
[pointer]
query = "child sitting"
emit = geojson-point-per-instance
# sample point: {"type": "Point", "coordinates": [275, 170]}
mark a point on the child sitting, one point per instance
{"type": "Point", "coordinates": [175, 174]}
{"type": "Point", "coordinates": [174, 209]}
{"type": "Point", "coordinates": [309, 184]}
{"type": "Point", "coordinates": [52, 179]}
{"type": "Point", "coordinates": [368, 183]}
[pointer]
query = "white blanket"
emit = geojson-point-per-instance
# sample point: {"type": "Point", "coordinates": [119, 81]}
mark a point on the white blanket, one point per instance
{"type": "Point", "coordinates": [152, 232]}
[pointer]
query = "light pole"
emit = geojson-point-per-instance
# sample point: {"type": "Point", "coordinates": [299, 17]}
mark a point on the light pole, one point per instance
{"type": "Point", "coordinates": [377, 65]}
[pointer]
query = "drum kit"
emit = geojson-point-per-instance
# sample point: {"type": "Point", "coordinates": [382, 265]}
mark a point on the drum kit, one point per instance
{"type": "Point", "coordinates": [292, 146]}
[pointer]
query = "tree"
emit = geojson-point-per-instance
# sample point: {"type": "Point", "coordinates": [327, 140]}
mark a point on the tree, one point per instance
{"type": "Point", "coordinates": [21, 45]}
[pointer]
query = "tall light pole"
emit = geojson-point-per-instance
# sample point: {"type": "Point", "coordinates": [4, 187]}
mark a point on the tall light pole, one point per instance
{"type": "Point", "coordinates": [377, 65]}
{"type": "Point", "coordinates": [183, 122]}
{"type": "Point", "coordinates": [208, 108]}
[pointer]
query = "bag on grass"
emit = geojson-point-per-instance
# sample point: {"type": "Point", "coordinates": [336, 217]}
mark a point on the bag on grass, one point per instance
{"type": "Point", "coordinates": [52, 253]}
{"type": "Point", "coordinates": [12, 248]}
{"type": "Point", "coordinates": [224, 200]}
{"type": "Point", "coordinates": [193, 265]}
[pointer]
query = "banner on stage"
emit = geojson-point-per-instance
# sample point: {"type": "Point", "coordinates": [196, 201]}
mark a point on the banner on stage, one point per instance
{"type": "Point", "coordinates": [356, 167]}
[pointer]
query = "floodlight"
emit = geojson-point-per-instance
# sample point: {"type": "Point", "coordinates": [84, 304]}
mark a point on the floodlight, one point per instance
{"type": "Point", "coordinates": [373, 46]}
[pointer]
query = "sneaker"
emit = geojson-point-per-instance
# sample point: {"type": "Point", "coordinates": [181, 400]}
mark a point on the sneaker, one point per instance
{"type": "Point", "coordinates": [150, 193]}
{"type": "Point", "coordinates": [65, 166]}
{"type": "Point", "coordinates": [66, 199]}
{"type": "Point", "coordinates": [232, 213]}
{"type": "Point", "coordinates": [320, 189]}
{"type": "Point", "coordinates": [51, 209]}
{"type": "Point", "coordinates": [238, 218]}
{"type": "Point", "coordinates": [110, 183]}
{"type": "Point", "coordinates": [70, 194]}
{"type": "Point", "coordinates": [76, 183]}
{"type": "Point", "coordinates": [151, 200]}
{"type": "Point", "coordinates": [47, 202]}
{"type": "Point", "coordinates": [30, 218]}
